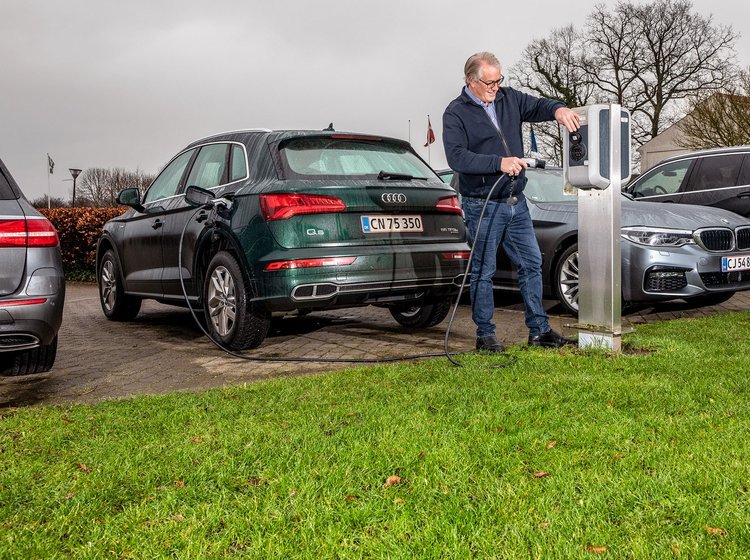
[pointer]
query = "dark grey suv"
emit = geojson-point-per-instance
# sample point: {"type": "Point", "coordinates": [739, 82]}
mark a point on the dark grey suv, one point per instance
{"type": "Point", "coordinates": [32, 284]}
{"type": "Point", "coordinates": [719, 177]}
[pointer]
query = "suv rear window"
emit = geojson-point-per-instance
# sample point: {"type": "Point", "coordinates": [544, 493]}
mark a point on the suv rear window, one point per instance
{"type": "Point", "coordinates": [353, 158]}
{"type": "Point", "coordinates": [6, 193]}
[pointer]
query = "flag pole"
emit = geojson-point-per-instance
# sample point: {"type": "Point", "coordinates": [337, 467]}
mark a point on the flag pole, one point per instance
{"type": "Point", "coordinates": [410, 132]}
{"type": "Point", "coordinates": [429, 162]}
{"type": "Point", "coordinates": [49, 189]}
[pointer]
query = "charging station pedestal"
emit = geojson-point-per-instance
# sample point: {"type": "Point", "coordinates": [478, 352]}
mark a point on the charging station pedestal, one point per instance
{"type": "Point", "coordinates": [596, 160]}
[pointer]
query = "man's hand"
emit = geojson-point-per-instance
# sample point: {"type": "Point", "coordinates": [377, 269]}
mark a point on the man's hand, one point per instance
{"type": "Point", "coordinates": [568, 118]}
{"type": "Point", "coordinates": [512, 165]}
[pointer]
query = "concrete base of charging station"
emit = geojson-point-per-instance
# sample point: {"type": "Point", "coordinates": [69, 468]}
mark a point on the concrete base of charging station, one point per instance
{"type": "Point", "coordinates": [590, 337]}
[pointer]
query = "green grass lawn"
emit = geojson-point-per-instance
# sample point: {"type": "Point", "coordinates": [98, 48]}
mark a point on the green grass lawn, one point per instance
{"type": "Point", "coordinates": [561, 455]}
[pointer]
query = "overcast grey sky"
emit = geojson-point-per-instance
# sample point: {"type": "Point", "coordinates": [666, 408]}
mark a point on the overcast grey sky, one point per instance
{"type": "Point", "coordinates": [100, 83]}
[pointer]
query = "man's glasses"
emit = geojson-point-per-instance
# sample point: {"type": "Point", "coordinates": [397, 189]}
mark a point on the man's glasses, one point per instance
{"type": "Point", "coordinates": [496, 83]}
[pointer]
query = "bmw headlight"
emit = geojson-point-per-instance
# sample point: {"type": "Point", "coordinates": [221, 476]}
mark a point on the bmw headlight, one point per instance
{"type": "Point", "coordinates": [658, 237]}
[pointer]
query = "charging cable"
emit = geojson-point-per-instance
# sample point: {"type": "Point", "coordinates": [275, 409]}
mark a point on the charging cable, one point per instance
{"type": "Point", "coordinates": [222, 206]}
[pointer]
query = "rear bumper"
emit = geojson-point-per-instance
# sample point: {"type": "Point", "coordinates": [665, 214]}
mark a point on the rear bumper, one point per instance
{"type": "Point", "coordinates": [28, 326]}
{"type": "Point", "coordinates": [374, 278]}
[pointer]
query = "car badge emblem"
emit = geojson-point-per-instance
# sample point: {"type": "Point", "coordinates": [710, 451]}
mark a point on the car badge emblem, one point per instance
{"type": "Point", "coordinates": [393, 198]}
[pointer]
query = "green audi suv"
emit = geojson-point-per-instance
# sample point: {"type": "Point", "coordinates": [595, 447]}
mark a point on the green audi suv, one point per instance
{"type": "Point", "coordinates": [260, 223]}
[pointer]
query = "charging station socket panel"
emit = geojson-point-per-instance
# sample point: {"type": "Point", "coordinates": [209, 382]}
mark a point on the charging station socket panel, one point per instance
{"type": "Point", "coordinates": [587, 151]}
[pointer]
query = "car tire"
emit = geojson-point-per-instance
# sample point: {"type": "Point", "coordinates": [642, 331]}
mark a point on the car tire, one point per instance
{"type": "Point", "coordinates": [116, 304]}
{"type": "Point", "coordinates": [710, 299]}
{"type": "Point", "coordinates": [233, 319]}
{"type": "Point", "coordinates": [422, 316]}
{"type": "Point", "coordinates": [27, 362]}
{"type": "Point", "coordinates": [566, 279]}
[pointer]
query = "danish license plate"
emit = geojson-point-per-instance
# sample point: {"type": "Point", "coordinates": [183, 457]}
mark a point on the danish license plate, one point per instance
{"type": "Point", "coordinates": [390, 224]}
{"type": "Point", "coordinates": [740, 262]}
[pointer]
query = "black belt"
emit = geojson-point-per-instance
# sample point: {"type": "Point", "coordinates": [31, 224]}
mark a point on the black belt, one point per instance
{"type": "Point", "coordinates": [511, 200]}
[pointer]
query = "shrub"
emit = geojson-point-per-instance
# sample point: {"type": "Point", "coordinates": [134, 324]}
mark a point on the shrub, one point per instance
{"type": "Point", "coordinates": [79, 230]}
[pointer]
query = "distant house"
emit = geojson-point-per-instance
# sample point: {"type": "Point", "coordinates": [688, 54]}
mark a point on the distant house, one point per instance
{"type": "Point", "coordinates": [666, 144]}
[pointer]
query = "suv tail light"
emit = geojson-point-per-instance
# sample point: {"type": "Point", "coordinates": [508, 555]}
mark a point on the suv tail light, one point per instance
{"type": "Point", "coordinates": [285, 205]}
{"type": "Point", "coordinates": [449, 204]}
{"type": "Point", "coordinates": [310, 263]}
{"type": "Point", "coordinates": [30, 232]}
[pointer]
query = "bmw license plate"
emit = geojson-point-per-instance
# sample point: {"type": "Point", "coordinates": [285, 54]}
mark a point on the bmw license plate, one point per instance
{"type": "Point", "coordinates": [740, 262]}
{"type": "Point", "coordinates": [390, 224]}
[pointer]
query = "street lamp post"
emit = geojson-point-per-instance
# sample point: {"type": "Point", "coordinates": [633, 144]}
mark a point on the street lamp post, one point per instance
{"type": "Point", "coordinates": [75, 173]}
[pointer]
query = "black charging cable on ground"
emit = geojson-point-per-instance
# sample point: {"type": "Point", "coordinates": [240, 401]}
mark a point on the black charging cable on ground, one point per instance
{"type": "Point", "coordinates": [226, 204]}
{"type": "Point", "coordinates": [231, 352]}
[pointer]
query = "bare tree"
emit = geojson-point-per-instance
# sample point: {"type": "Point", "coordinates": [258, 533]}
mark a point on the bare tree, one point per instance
{"type": "Point", "coordinates": [555, 68]}
{"type": "Point", "coordinates": [93, 186]}
{"type": "Point", "coordinates": [652, 57]}
{"type": "Point", "coordinates": [721, 119]}
{"type": "Point", "coordinates": [99, 186]}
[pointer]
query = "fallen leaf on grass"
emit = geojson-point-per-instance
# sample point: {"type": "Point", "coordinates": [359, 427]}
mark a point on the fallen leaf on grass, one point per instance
{"type": "Point", "coordinates": [350, 498]}
{"type": "Point", "coordinates": [398, 501]}
{"type": "Point", "coordinates": [179, 483]}
{"type": "Point", "coordinates": [83, 467]}
{"type": "Point", "coordinates": [254, 481]}
{"type": "Point", "coordinates": [551, 444]}
{"type": "Point", "coordinates": [178, 517]}
{"type": "Point", "coordinates": [610, 404]}
{"type": "Point", "coordinates": [596, 549]}
{"type": "Point", "coordinates": [544, 524]}
{"type": "Point", "coordinates": [716, 531]}
{"type": "Point", "coordinates": [67, 420]}
{"type": "Point", "coordinates": [422, 455]}
{"type": "Point", "coordinates": [541, 474]}
{"type": "Point", "coordinates": [618, 456]}
{"type": "Point", "coordinates": [393, 480]}
{"type": "Point", "coordinates": [196, 440]}
{"type": "Point", "coordinates": [69, 495]}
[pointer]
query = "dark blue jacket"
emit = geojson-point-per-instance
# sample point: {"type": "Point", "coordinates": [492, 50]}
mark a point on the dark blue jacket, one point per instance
{"type": "Point", "coordinates": [473, 145]}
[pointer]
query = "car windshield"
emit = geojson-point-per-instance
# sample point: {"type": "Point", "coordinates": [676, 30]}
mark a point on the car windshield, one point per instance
{"type": "Point", "coordinates": [331, 157]}
{"type": "Point", "coordinates": [546, 185]}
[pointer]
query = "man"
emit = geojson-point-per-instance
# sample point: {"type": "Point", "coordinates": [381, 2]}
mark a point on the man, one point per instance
{"type": "Point", "coordinates": [483, 144]}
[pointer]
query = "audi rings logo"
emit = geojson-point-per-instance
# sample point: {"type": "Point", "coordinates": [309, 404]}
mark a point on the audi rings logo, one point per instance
{"type": "Point", "coordinates": [393, 198]}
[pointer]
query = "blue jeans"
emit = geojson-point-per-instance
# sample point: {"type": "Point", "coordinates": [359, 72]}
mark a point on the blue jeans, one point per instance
{"type": "Point", "coordinates": [511, 226]}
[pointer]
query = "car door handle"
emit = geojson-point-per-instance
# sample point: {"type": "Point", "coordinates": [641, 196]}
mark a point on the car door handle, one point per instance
{"type": "Point", "coordinates": [157, 224]}
{"type": "Point", "coordinates": [745, 194]}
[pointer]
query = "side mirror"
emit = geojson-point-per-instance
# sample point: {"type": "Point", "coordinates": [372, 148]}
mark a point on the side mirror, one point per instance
{"type": "Point", "coordinates": [196, 196]}
{"type": "Point", "coordinates": [130, 197]}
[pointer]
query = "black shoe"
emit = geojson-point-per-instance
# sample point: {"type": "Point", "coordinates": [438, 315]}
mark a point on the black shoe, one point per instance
{"type": "Point", "coordinates": [551, 339]}
{"type": "Point", "coordinates": [489, 344]}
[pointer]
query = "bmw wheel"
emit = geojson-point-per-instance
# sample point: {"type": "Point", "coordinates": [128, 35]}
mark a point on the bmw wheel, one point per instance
{"type": "Point", "coordinates": [422, 316]}
{"type": "Point", "coordinates": [566, 279]}
{"type": "Point", "coordinates": [117, 305]}
{"type": "Point", "coordinates": [232, 318]}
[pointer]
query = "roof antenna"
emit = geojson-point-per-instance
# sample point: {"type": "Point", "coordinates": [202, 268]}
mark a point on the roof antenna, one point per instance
{"type": "Point", "coordinates": [330, 127]}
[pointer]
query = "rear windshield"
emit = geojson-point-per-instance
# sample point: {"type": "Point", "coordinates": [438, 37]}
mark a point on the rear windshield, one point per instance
{"type": "Point", "coordinates": [324, 158]}
{"type": "Point", "coordinates": [6, 193]}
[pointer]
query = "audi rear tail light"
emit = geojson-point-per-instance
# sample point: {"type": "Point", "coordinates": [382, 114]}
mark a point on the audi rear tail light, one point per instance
{"type": "Point", "coordinates": [282, 206]}
{"type": "Point", "coordinates": [449, 204]}
{"type": "Point", "coordinates": [310, 263]}
{"type": "Point", "coordinates": [455, 256]}
{"type": "Point", "coordinates": [30, 232]}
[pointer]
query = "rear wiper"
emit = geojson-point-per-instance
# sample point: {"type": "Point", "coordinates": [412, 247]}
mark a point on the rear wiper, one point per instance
{"type": "Point", "coordinates": [388, 176]}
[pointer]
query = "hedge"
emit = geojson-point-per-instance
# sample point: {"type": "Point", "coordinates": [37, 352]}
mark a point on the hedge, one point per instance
{"type": "Point", "coordinates": [79, 230]}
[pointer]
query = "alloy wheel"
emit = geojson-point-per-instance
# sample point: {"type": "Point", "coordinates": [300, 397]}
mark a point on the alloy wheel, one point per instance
{"type": "Point", "coordinates": [222, 301]}
{"type": "Point", "coordinates": [568, 281]}
{"type": "Point", "coordinates": [108, 285]}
